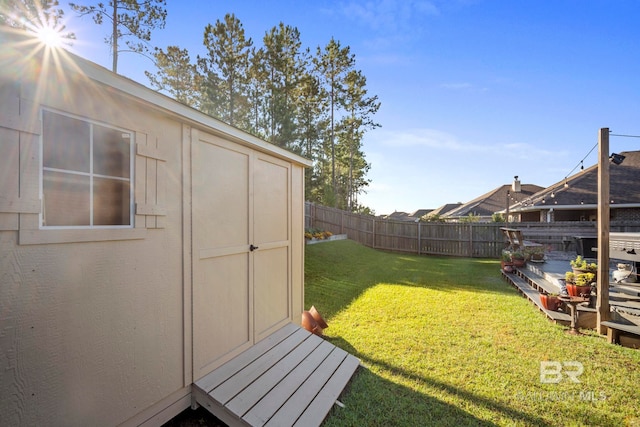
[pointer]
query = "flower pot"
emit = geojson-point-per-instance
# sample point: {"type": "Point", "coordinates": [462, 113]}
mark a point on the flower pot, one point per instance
{"type": "Point", "coordinates": [550, 302]}
{"type": "Point", "coordinates": [506, 266]}
{"type": "Point", "coordinates": [577, 291]}
{"type": "Point", "coordinates": [318, 318]}
{"type": "Point", "coordinates": [310, 324]}
{"type": "Point", "coordinates": [536, 257]}
{"type": "Point", "coordinates": [518, 262]}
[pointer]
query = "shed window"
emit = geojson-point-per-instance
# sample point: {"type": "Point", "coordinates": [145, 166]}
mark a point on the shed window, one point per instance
{"type": "Point", "coordinates": [86, 173]}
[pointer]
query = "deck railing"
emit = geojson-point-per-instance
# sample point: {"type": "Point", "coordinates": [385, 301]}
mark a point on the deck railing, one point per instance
{"type": "Point", "coordinates": [474, 240]}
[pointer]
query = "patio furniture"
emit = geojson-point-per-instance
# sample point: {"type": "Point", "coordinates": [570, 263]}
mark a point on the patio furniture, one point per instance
{"type": "Point", "coordinates": [573, 302]}
{"type": "Point", "coordinates": [516, 241]}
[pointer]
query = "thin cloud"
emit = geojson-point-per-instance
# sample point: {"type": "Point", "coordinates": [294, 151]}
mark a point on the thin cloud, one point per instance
{"type": "Point", "coordinates": [420, 137]}
{"type": "Point", "coordinates": [457, 86]}
{"type": "Point", "coordinates": [463, 86]}
{"type": "Point", "coordinates": [388, 16]}
{"type": "Point", "coordinates": [441, 140]}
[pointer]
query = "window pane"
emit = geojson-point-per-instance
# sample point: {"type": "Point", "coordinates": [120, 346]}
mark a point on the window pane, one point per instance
{"type": "Point", "coordinates": [65, 142]}
{"type": "Point", "coordinates": [66, 199]}
{"type": "Point", "coordinates": [110, 202]}
{"type": "Point", "coordinates": [111, 152]}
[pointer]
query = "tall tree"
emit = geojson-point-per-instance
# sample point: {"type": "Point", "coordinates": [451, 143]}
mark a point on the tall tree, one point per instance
{"type": "Point", "coordinates": [359, 109]}
{"type": "Point", "coordinates": [333, 63]}
{"type": "Point", "coordinates": [257, 89]}
{"type": "Point", "coordinates": [131, 21]}
{"type": "Point", "coordinates": [285, 63]}
{"type": "Point", "coordinates": [225, 70]}
{"type": "Point", "coordinates": [311, 104]}
{"type": "Point", "coordinates": [176, 75]}
{"type": "Point", "coordinates": [35, 16]}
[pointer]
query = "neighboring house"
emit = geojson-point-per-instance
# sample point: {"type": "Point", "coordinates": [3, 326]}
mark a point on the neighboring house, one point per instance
{"type": "Point", "coordinates": [397, 216]}
{"type": "Point", "coordinates": [420, 213]}
{"type": "Point", "coordinates": [485, 206]}
{"type": "Point", "coordinates": [404, 216]}
{"type": "Point", "coordinates": [576, 198]}
{"type": "Point", "coordinates": [442, 210]}
{"type": "Point", "coordinates": [142, 243]}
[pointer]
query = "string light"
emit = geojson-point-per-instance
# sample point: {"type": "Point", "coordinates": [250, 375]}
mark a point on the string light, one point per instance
{"type": "Point", "coordinates": [581, 162]}
{"type": "Point", "coordinates": [624, 136]}
{"type": "Point", "coordinates": [566, 178]}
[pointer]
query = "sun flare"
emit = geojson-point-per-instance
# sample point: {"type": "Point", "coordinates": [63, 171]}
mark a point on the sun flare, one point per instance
{"type": "Point", "coordinates": [50, 36]}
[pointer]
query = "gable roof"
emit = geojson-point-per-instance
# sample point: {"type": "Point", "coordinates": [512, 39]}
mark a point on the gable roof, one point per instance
{"type": "Point", "coordinates": [445, 208]}
{"type": "Point", "coordinates": [581, 189]}
{"type": "Point", "coordinates": [493, 201]}
{"type": "Point", "coordinates": [420, 213]}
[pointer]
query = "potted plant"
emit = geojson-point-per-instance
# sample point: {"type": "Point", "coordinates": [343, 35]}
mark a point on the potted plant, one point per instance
{"type": "Point", "coordinates": [505, 262]}
{"type": "Point", "coordinates": [581, 265]}
{"type": "Point", "coordinates": [534, 253]}
{"type": "Point", "coordinates": [550, 301]}
{"type": "Point", "coordinates": [518, 258]}
{"type": "Point", "coordinates": [570, 277]}
{"type": "Point", "coordinates": [581, 285]}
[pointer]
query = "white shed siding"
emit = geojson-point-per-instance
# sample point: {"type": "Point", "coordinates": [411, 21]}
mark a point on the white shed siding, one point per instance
{"type": "Point", "coordinates": [96, 325]}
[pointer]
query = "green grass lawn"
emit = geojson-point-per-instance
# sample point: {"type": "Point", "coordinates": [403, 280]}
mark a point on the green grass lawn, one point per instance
{"type": "Point", "coordinates": [445, 341]}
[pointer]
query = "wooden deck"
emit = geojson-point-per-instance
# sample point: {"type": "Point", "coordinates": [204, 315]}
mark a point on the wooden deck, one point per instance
{"type": "Point", "coordinates": [624, 300]}
{"type": "Point", "coordinates": [290, 378]}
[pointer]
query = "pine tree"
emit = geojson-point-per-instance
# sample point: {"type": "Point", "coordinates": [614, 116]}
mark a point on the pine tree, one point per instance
{"type": "Point", "coordinates": [311, 106]}
{"type": "Point", "coordinates": [358, 119]}
{"type": "Point", "coordinates": [284, 63]}
{"type": "Point", "coordinates": [131, 21]}
{"type": "Point", "coordinates": [332, 64]}
{"type": "Point", "coordinates": [176, 75]}
{"type": "Point", "coordinates": [225, 71]}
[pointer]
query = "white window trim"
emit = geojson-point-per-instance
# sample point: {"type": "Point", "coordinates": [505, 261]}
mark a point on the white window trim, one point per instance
{"type": "Point", "coordinates": [131, 179]}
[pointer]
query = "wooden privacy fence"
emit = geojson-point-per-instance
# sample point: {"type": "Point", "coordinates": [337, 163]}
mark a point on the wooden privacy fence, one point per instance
{"type": "Point", "coordinates": [473, 240]}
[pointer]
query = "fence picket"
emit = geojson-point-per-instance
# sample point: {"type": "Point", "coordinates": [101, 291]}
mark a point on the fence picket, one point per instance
{"type": "Point", "coordinates": [473, 240]}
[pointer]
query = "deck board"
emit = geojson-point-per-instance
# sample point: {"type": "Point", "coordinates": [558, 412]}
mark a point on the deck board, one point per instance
{"type": "Point", "coordinates": [264, 410]}
{"type": "Point", "coordinates": [246, 399]}
{"type": "Point", "coordinates": [305, 394]}
{"type": "Point", "coordinates": [221, 374]}
{"type": "Point", "coordinates": [241, 379]}
{"type": "Point", "coordinates": [328, 395]}
{"type": "Point", "coordinates": [289, 375]}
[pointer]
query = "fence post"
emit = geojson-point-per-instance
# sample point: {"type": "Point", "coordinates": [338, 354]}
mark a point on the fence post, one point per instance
{"type": "Point", "coordinates": [373, 244]}
{"type": "Point", "coordinates": [419, 237]}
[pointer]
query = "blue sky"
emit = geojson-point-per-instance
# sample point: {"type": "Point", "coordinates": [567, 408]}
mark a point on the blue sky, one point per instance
{"type": "Point", "coordinates": [473, 92]}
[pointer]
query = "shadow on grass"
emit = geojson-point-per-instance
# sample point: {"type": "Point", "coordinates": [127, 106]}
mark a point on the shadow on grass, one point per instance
{"type": "Point", "coordinates": [371, 400]}
{"type": "Point", "coordinates": [337, 273]}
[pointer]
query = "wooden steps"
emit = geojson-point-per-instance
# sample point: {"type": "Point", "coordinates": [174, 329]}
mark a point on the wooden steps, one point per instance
{"type": "Point", "coordinates": [290, 378]}
{"type": "Point", "coordinates": [615, 329]}
{"type": "Point", "coordinates": [533, 295]}
{"type": "Point", "coordinates": [623, 298]}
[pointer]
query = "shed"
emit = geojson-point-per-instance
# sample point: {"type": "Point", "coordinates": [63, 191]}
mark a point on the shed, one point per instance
{"type": "Point", "coordinates": [143, 244]}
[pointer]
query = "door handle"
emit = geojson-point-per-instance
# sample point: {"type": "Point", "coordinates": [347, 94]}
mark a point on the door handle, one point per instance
{"type": "Point", "coordinates": [252, 248]}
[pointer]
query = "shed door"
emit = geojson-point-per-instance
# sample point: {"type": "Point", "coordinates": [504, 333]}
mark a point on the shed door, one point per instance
{"type": "Point", "coordinates": [240, 199]}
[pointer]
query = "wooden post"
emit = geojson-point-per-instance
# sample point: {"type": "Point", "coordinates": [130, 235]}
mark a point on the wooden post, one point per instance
{"type": "Point", "coordinates": [419, 237]}
{"type": "Point", "coordinates": [373, 243]}
{"type": "Point", "coordinates": [602, 301]}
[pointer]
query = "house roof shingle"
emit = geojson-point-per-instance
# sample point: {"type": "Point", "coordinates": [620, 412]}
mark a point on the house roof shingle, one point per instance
{"type": "Point", "coordinates": [493, 201]}
{"type": "Point", "coordinates": [582, 188]}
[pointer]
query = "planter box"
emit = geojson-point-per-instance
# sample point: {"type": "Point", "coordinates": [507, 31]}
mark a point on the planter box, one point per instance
{"type": "Point", "coordinates": [328, 239]}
